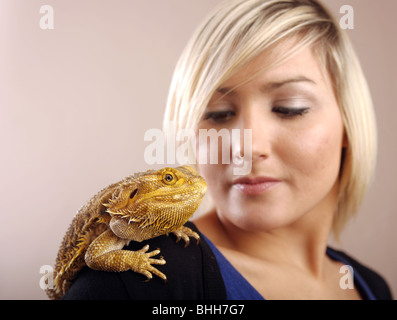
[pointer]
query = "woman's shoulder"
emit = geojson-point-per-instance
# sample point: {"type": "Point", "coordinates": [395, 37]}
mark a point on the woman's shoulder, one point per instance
{"type": "Point", "coordinates": [376, 283]}
{"type": "Point", "coordinates": [192, 273]}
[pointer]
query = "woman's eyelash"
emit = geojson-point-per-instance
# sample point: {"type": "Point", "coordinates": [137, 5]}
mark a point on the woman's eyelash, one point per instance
{"type": "Point", "coordinates": [286, 112]}
{"type": "Point", "coordinates": [219, 116]}
{"type": "Point", "coordinates": [283, 112]}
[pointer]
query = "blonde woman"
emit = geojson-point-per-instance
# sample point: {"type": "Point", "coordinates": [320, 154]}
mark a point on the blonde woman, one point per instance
{"type": "Point", "coordinates": [285, 71]}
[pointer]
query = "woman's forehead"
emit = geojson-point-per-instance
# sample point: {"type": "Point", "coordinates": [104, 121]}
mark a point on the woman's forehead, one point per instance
{"type": "Point", "coordinates": [302, 67]}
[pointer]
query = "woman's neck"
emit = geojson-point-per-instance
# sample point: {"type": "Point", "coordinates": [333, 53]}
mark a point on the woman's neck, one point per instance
{"type": "Point", "coordinates": [301, 245]}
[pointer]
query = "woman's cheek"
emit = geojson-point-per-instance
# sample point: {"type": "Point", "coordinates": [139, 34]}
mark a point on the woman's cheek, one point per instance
{"type": "Point", "coordinates": [316, 154]}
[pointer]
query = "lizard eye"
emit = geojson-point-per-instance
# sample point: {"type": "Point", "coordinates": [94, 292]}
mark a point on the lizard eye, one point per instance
{"type": "Point", "coordinates": [169, 178]}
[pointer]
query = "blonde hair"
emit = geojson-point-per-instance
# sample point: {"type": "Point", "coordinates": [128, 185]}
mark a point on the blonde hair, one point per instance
{"type": "Point", "coordinates": [236, 32]}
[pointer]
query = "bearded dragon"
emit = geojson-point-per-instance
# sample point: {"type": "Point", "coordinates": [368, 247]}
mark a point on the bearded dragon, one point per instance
{"type": "Point", "coordinates": [140, 207]}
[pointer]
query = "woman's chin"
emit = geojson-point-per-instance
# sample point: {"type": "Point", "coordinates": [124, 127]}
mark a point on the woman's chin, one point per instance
{"type": "Point", "coordinates": [256, 220]}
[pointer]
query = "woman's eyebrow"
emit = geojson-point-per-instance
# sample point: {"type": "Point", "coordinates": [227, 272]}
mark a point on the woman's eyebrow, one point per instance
{"type": "Point", "coordinates": [278, 84]}
{"type": "Point", "coordinates": [226, 91]}
{"type": "Point", "coordinates": [270, 85]}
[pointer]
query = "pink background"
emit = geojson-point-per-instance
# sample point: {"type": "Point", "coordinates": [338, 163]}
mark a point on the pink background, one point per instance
{"type": "Point", "coordinates": [76, 101]}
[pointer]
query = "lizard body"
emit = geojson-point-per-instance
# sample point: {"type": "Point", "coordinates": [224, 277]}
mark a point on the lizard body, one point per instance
{"type": "Point", "coordinates": [137, 208]}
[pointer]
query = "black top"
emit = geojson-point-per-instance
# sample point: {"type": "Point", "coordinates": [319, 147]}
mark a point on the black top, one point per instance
{"type": "Point", "coordinates": [192, 273]}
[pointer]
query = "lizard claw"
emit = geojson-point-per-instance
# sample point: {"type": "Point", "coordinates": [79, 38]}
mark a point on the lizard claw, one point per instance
{"type": "Point", "coordinates": [144, 265]}
{"type": "Point", "coordinates": [185, 233]}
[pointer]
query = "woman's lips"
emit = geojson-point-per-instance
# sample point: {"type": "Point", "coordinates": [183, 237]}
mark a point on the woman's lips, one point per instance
{"type": "Point", "coordinates": [254, 186]}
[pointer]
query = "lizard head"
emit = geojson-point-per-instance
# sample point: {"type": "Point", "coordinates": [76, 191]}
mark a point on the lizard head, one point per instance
{"type": "Point", "coordinates": [171, 194]}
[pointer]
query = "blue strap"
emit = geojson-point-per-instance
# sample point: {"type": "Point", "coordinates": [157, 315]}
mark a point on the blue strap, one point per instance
{"type": "Point", "coordinates": [238, 288]}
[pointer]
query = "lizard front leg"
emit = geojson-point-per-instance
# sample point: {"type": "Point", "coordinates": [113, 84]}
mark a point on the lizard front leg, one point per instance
{"type": "Point", "coordinates": [184, 233]}
{"type": "Point", "coordinates": [105, 253]}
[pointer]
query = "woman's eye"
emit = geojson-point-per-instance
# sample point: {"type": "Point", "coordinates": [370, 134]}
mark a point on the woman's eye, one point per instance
{"type": "Point", "coordinates": [285, 112]}
{"type": "Point", "coordinates": [219, 116]}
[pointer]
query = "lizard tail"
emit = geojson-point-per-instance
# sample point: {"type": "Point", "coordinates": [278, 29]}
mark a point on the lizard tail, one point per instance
{"type": "Point", "coordinates": [88, 224]}
{"type": "Point", "coordinates": [70, 259]}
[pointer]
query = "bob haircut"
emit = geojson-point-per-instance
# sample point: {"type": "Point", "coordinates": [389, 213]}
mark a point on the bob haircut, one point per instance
{"type": "Point", "coordinates": [236, 32]}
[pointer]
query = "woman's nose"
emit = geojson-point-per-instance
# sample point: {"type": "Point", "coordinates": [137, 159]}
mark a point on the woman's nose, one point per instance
{"type": "Point", "coordinates": [254, 120]}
